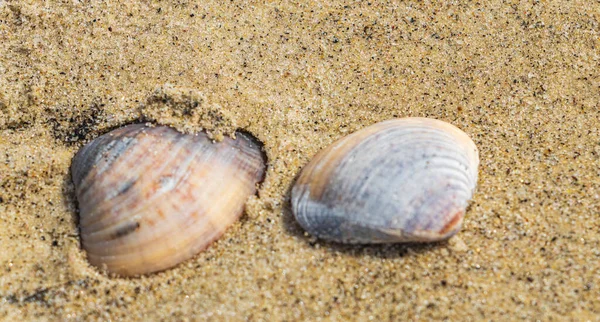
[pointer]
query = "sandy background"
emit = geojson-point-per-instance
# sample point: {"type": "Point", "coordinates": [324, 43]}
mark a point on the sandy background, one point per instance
{"type": "Point", "coordinates": [522, 78]}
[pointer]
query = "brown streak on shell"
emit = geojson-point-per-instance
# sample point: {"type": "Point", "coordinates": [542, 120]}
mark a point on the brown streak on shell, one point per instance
{"type": "Point", "coordinates": [453, 223]}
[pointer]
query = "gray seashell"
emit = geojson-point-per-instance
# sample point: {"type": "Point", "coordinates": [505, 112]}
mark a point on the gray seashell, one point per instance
{"type": "Point", "coordinates": [151, 197]}
{"type": "Point", "coordinates": [403, 180]}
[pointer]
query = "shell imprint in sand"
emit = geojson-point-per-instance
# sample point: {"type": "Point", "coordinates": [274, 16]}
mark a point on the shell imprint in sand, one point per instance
{"type": "Point", "coordinates": [151, 197]}
{"type": "Point", "coordinates": [403, 180]}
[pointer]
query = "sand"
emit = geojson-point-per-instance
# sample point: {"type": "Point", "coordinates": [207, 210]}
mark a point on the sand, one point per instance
{"type": "Point", "coordinates": [521, 78]}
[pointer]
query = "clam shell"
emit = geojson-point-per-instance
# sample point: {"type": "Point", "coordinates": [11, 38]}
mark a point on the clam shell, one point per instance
{"type": "Point", "coordinates": [403, 180]}
{"type": "Point", "coordinates": [151, 197]}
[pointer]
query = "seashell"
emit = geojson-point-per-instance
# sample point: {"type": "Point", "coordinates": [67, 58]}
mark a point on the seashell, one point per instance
{"type": "Point", "coordinates": [151, 197]}
{"type": "Point", "coordinates": [403, 180]}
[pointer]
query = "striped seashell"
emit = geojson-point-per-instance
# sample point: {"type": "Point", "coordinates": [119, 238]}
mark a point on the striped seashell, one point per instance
{"type": "Point", "coordinates": [151, 197]}
{"type": "Point", "coordinates": [403, 180]}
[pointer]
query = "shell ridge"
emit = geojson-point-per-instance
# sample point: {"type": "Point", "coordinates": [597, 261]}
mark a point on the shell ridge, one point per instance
{"type": "Point", "coordinates": [158, 193]}
{"type": "Point", "coordinates": [183, 177]}
{"type": "Point", "coordinates": [106, 146]}
{"type": "Point", "coordinates": [415, 197]}
{"type": "Point", "coordinates": [302, 203]}
{"type": "Point", "coordinates": [173, 230]}
{"type": "Point", "coordinates": [119, 161]}
{"type": "Point", "coordinates": [382, 172]}
{"type": "Point", "coordinates": [90, 184]}
{"type": "Point", "coordinates": [82, 164]}
{"type": "Point", "coordinates": [101, 205]}
{"type": "Point", "coordinates": [186, 145]}
{"type": "Point", "coordinates": [416, 219]}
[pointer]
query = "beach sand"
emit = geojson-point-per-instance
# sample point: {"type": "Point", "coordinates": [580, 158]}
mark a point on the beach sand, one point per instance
{"type": "Point", "coordinates": [521, 78]}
